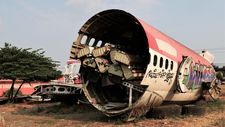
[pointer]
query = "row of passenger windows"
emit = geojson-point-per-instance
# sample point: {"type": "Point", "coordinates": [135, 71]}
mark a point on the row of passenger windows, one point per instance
{"type": "Point", "coordinates": [162, 63]}
{"type": "Point", "coordinates": [90, 41]}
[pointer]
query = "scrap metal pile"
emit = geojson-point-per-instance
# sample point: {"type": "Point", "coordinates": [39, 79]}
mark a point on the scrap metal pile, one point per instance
{"type": "Point", "coordinates": [68, 89]}
{"type": "Point", "coordinates": [58, 91]}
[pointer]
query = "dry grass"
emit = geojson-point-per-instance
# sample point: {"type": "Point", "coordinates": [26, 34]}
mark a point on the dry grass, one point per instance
{"type": "Point", "coordinates": [57, 115]}
{"type": "Point", "coordinates": [219, 123]}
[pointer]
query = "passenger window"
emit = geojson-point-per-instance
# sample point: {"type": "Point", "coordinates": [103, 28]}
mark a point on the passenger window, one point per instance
{"type": "Point", "coordinates": [171, 65]}
{"type": "Point", "coordinates": [161, 62]}
{"type": "Point", "coordinates": [83, 40]}
{"type": "Point", "coordinates": [155, 60]}
{"type": "Point", "coordinates": [166, 64]}
{"type": "Point", "coordinates": [99, 44]}
{"type": "Point", "coordinates": [92, 41]}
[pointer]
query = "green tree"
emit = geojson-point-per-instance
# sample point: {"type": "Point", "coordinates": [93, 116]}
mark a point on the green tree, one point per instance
{"type": "Point", "coordinates": [27, 65]}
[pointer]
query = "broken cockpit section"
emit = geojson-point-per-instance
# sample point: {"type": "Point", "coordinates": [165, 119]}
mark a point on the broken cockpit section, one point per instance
{"type": "Point", "coordinates": [114, 53]}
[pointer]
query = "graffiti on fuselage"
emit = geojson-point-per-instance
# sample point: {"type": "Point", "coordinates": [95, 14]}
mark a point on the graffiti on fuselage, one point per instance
{"type": "Point", "coordinates": [198, 74]}
{"type": "Point", "coordinates": [161, 74]}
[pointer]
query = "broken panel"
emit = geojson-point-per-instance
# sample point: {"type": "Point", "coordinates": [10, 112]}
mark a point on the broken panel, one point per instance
{"type": "Point", "coordinates": [113, 70]}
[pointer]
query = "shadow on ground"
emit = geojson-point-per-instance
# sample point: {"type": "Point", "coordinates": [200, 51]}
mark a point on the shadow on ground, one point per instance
{"type": "Point", "coordinates": [80, 112]}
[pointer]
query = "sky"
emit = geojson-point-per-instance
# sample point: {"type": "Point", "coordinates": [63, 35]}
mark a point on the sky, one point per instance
{"type": "Point", "coordinates": [54, 24]}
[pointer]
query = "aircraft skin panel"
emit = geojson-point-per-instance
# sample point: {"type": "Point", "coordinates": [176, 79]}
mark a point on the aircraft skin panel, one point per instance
{"type": "Point", "coordinates": [175, 51]}
{"type": "Point", "coordinates": [160, 79]}
{"type": "Point", "coordinates": [184, 97]}
{"type": "Point", "coordinates": [153, 34]}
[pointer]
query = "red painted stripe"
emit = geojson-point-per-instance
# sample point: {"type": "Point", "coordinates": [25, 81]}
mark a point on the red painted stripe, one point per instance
{"type": "Point", "coordinates": [152, 33]}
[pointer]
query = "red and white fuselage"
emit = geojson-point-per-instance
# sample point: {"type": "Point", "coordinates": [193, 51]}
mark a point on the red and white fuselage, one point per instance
{"type": "Point", "coordinates": [128, 66]}
{"type": "Point", "coordinates": [166, 57]}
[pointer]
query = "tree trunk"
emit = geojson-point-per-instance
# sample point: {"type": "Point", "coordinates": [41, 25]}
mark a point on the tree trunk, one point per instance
{"type": "Point", "coordinates": [11, 90]}
{"type": "Point", "coordinates": [14, 98]}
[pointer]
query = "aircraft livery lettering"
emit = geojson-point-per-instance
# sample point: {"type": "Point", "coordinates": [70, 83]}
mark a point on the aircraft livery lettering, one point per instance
{"type": "Point", "coordinates": [160, 74]}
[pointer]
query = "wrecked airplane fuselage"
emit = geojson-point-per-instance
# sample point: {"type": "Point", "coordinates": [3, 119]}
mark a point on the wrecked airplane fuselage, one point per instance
{"type": "Point", "coordinates": [128, 66]}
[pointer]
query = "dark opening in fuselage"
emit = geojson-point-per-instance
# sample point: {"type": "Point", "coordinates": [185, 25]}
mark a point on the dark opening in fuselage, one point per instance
{"type": "Point", "coordinates": [110, 75]}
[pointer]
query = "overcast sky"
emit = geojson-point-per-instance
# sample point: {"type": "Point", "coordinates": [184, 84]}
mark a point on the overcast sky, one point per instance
{"type": "Point", "coordinates": [53, 24]}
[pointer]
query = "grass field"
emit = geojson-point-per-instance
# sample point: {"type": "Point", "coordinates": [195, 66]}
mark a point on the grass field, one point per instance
{"type": "Point", "coordinates": [58, 115]}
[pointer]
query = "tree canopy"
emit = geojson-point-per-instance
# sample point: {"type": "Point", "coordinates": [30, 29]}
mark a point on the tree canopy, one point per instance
{"type": "Point", "coordinates": [26, 65]}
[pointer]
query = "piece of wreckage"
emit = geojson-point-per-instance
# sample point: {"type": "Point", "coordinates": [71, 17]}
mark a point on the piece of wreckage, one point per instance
{"type": "Point", "coordinates": [67, 89]}
{"type": "Point", "coordinates": [129, 67]}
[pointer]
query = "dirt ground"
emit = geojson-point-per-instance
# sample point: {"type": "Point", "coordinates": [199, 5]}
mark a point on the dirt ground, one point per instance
{"type": "Point", "coordinates": [58, 115]}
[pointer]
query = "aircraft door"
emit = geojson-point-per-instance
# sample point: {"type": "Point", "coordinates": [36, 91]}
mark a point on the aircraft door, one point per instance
{"type": "Point", "coordinates": [183, 76]}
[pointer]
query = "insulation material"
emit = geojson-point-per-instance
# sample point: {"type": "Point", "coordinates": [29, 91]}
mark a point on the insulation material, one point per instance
{"type": "Point", "coordinates": [115, 70]}
{"type": "Point", "coordinates": [89, 62]}
{"type": "Point", "coordinates": [75, 49]}
{"type": "Point", "coordinates": [102, 64]}
{"type": "Point", "coordinates": [99, 51]}
{"type": "Point", "coordinates": [127, 72]}
{"type": "Point", "coordinates": [122, 58]}
{"type": "Point", "coordinates": [126, 58]}
{"type": "Point", "coordinates": [112, 55]}
{"type": "Point", "coordinates": [83, 52]}
{"type": "Point", "coordinates": [131, 74]}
